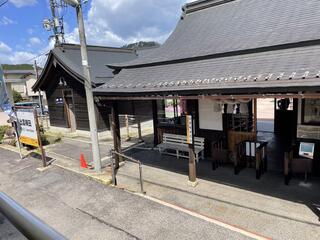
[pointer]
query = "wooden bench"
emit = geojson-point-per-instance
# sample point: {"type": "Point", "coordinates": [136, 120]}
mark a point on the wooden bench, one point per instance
{"type": "Point", "coordinates": [178, 143]}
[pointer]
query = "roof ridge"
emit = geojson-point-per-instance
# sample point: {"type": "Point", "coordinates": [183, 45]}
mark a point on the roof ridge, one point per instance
{"type": "Point", "coordinates": [96, 48]}
{"type": "Point", "coordinates": [302, 44]}
{"type": "Point", "coordinates": [203, 4]}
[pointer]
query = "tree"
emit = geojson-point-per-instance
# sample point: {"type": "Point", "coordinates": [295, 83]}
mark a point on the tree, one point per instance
{"type": "Point", "coordinates": [16, 96]}
{"type": "Point", "coordinates": [141, 45]}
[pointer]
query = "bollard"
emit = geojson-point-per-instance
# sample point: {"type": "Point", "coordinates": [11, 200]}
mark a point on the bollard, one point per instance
{"type": "Point", "coordinates": [141, 182]}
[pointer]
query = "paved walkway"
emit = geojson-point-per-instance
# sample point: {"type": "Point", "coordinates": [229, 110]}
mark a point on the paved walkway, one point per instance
{"type": "Point", "coordinates": [266, 206]}
{"type": "Point", "coordinates": [82, 209]}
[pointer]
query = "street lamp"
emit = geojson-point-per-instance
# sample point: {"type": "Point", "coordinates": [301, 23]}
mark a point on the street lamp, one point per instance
{"type": "Point", "coordinates": [87, 84]}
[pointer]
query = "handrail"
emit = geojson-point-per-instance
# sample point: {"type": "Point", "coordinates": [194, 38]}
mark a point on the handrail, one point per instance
{"type": "Point", "coordinates": [114, 179]}
{"type": "Point", "coordinates": [28, 224]}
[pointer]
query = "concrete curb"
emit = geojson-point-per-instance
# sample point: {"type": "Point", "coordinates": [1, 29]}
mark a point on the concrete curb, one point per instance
{"type": "Point", "coordinates": [15, 149]}
{"type": "Point", "coordinates": [106, 181]}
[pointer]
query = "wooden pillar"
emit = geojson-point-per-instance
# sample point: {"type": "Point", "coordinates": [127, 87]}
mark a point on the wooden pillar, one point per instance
{"type": "Point", "coordinates": [115, 124]}
{"type": "Point", "coordinates": [287, 159]}
{"type": "Point", "coordinates": [255, 115]}
{"type": "Point", "coordinates": [192, 165]}
{"type": "Point", "coordinates": [192, 156]}
{"type": "Point", "coordinates": [139, 129]}
{"type": "Point", "coordinates": [155, 122]}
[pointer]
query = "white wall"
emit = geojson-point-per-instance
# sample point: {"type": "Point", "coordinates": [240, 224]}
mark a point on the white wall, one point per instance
{"type": "Point", "coordinates": [210, 115]}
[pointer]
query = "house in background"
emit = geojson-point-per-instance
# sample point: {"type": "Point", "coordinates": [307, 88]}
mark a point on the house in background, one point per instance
{"type": "Point", "coordinates": [21, 78]}
{"type": "Point", "coordinates": [62, 80]}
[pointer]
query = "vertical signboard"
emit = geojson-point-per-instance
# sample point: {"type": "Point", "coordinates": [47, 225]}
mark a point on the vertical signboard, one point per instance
{"type": "Point", "coordinates": [189, 126]}
{"type": "Point", "coordinates": [28, 128]}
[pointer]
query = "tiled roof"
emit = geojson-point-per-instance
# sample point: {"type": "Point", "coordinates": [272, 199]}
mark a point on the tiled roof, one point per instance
{"type": "Point", "coordinates": [281, 69]}
{"type": "Point", "coordinates": [230, 46]}
{"type": "Point", "coordinates": [69, 57]}
{"type": "Point", "coordinates": [237, 25]}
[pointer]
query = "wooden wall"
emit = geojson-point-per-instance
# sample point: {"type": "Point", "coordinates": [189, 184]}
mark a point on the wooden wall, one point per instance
{"type": "Point", "coordinates": [57, 111]}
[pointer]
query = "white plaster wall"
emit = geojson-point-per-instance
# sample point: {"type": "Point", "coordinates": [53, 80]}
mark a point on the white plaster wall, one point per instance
{"type": "Point", "coordinates": [210, 115]}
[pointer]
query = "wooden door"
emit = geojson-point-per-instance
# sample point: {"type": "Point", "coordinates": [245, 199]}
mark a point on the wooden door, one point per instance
{"type": "Point", "coordinates": [69, 109]}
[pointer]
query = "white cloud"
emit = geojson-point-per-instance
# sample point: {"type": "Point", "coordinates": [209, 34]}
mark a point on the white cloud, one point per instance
{"type": "Point", "coordinates": [21, 57]}
{"type": "Point", "coordinates": [118, 22]}
{"type": "Point", "coordinates": [109, 22]}
{"type": "Point", "coordinates": [23, 3]}
{"type": "Point", "coordinates": [6, 21]}
{"type": "Point", "coordinates": [34, 41]}
{"type": "Point", "coordinates": [10, 56]}
{"type": "Point", "coordinates": [4, 48]}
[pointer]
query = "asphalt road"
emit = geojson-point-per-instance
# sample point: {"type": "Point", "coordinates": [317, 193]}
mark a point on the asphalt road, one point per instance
{"type": "Point", "coordinates": [79, 208]}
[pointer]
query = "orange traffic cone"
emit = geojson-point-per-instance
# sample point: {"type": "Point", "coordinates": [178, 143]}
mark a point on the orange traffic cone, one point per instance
{"type": "Point", "coordinates": [83, 162]}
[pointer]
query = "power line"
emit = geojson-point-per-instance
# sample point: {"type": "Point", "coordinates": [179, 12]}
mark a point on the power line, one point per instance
{"type": "Point", "coordinates": [1, 4]}
{"type": "Point", "coordinates": [40, 55]}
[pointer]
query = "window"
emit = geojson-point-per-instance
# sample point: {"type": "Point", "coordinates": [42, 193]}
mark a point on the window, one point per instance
{"type": "Point", "coordinates": [170, 111]}
{"type": "Point", "coordinates": [311, 111]}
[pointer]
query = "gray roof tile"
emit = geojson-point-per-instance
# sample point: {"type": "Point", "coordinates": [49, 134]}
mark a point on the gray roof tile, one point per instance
{"type": "Point", "coordinates": [262, 70]}
{"type": "Point", "coordinates": [69, 55]}
{"type": "Point", "coordinates": [238, 25]}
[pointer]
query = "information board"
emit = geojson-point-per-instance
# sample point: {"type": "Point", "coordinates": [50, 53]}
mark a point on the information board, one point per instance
{"type": "Point", "coordinates": [189, 126]}
{"type": "Point", "coordinates": [28, 129]}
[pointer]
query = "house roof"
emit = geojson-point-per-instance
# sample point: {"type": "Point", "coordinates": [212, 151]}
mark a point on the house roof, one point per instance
{"type": "Point", "coordinates": [230, 40]}
{"type": "Point", "coordinates": [68, 56]}
{"type": "Point", "coordinates": [286, 68]}
{"type": "Point", "coordinates": [210, 27]}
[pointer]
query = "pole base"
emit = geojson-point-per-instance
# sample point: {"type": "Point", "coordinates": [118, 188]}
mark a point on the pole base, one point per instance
{"type": "Point", "coordinates": [193, 184]}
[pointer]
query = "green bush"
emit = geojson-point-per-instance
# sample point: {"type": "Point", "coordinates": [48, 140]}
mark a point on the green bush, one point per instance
{"type": "Point", "coordinates": [16, 96]}
{"type": "Point", "coordinates": [3, 130]}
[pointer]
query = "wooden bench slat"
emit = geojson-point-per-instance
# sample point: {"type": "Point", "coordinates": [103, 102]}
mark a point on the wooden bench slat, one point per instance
{"type": "Point", "coordinates": [179, 143]}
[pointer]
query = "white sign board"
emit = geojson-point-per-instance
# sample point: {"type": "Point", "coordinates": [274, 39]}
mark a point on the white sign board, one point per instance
{"type": "Point", "coordinates": [210, 115]}
{"type": "Point", "coordinates": [28, 133]}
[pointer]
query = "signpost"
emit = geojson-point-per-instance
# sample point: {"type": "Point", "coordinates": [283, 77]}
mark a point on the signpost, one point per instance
{"type": "Point", "coordinates": [190, 141]}
{"type": "Point", "coordinates": [29, 132]}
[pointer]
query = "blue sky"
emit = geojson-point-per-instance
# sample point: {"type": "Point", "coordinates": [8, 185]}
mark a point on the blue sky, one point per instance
{"type": "Point", "coordinates": [108, 22]}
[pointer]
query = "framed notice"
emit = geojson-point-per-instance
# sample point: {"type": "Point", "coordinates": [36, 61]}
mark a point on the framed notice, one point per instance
{"type": "Point", "coordinates": [28, 128]}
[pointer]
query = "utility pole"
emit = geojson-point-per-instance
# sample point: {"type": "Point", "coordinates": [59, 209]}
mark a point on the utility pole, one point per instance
{"type": "Point", "coordinates": [87, 85]}
{"type": "Point", "coordinates": [53, 12]}
{"type": "Point", "coordinates": [56, 23]}
{"type": "Point", "coordinates": [37, 78]}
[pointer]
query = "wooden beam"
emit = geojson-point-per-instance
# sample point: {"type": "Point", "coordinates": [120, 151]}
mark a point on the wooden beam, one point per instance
{"type": "Point", "coordinates": [255, 115]}
{"type": "Point", "coordinates": [115, 124]}
{"type": "Point", "coordinates": [155, 122]}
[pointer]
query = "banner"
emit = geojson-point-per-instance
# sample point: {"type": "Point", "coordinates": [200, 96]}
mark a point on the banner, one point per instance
{"type": "Point", "coordinates": [5, 104]}
{"type": "Point", "coordinates": [28, 129]}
